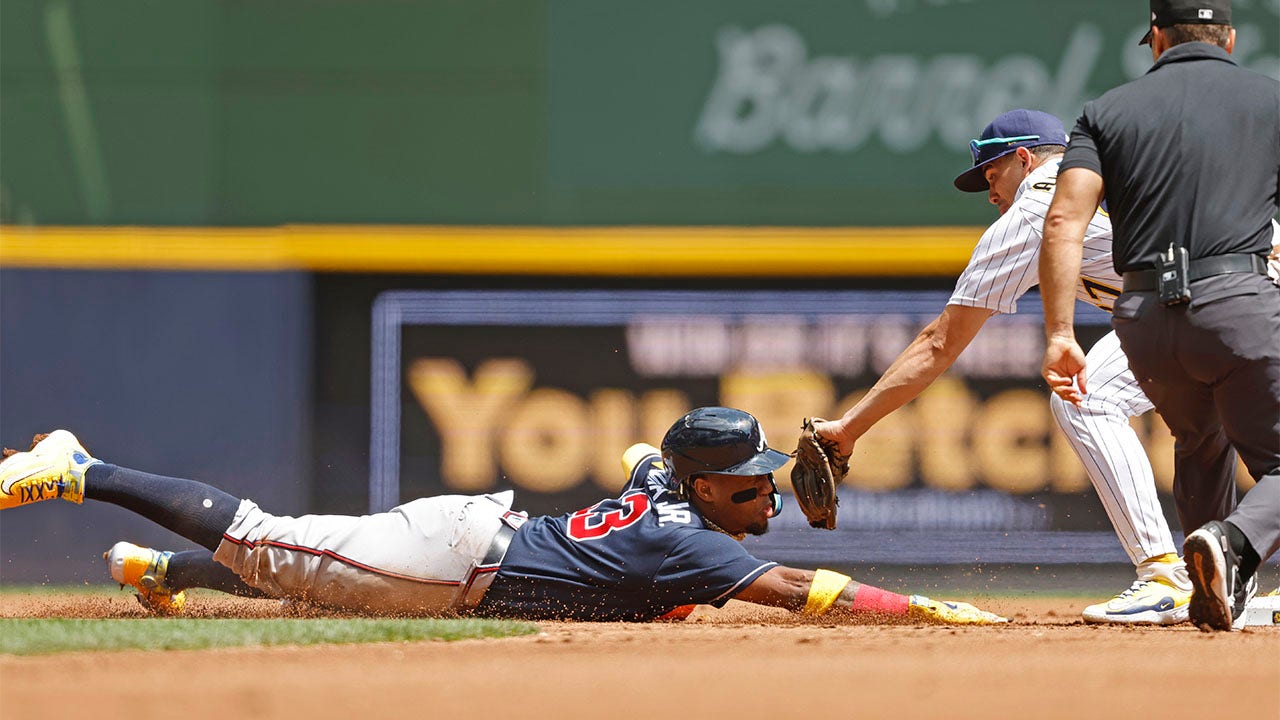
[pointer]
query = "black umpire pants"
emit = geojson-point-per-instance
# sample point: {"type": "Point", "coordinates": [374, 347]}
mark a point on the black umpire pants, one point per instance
{"type": "Point", "coordinates": [1212, 369]}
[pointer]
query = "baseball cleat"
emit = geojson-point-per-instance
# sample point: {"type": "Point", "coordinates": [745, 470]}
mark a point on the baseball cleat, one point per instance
{"type": "Point", "coordinates": [1244, 594]}
{"type": "Point", "coordinates": [54, 467]}
{"type": "Point", "coordinates": [1219, 595]}
{"type": "Point", "coordinates": [144, 569]}
{"type": "Point", "coordinates": [1146, 602]}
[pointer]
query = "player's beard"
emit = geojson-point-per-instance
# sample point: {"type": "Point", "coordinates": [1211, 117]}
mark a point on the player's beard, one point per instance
{"type": "Point", "coordinates": [759, 528]}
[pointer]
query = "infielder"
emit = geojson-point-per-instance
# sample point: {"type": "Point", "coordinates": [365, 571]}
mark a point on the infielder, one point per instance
{"type": "Point", "coordinates": [1016, 162]}
{"type": "Point", "coordinates": [669, 541]}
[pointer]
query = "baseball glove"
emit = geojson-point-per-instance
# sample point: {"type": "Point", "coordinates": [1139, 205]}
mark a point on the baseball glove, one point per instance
{"type": "Point", "coordinates": [818, 469]}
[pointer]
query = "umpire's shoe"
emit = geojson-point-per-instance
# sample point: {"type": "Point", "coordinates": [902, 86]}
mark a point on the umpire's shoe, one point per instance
{"type": "Point", "coordinates": [54, 467]}
{"type": "Point", "coordinates": [1219, 594]}
{"type": "Point", "coordinates": [144, 569]}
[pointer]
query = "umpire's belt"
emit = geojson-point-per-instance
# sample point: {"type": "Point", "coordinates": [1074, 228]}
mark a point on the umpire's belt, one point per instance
{"type": "Point", "coordinates": [1142, 280]}
{"type": "Point", "coordinates": [498, 548]}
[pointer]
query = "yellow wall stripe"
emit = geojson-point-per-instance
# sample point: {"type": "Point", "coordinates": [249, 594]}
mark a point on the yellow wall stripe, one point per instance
{"type": "Point", "coordinates": [607, 251]}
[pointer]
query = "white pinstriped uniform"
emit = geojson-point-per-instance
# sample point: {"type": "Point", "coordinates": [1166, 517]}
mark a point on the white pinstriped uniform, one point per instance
{"type": "Point", "coordinates": [1004, 266]}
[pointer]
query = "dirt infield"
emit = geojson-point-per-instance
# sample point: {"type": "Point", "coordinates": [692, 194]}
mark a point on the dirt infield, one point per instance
{"type": "Point", "coordinates": [739, 662]}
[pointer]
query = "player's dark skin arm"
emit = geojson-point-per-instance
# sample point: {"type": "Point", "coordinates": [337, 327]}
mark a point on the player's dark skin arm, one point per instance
{"type": "Point", "coordinates": [791, 588]}
{"type": "Point", "coordinates": [787, 587]}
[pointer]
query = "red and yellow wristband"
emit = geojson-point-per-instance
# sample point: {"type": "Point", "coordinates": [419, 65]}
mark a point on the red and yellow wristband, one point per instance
{"type": "Point", "coordinates": [828, 585]}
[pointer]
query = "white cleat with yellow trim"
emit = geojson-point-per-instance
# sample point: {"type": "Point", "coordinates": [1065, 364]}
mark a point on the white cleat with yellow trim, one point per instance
{"type": "Point", "coordinates": [1160, 596]}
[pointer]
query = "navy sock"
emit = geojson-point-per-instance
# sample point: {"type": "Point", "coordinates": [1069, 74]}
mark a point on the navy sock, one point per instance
{"type": "Point", "coordinates": [194, 510]}
{"type": "Point", "coordinates": [198, 569]}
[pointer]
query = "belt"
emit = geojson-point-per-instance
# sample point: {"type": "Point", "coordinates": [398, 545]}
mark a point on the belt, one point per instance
{"type": "Point", "coordinates": [1142, 280]}
{"type": "Point", "coordinates": [498, 548]}
{"type": "Point", "coordinates": [483, 573]}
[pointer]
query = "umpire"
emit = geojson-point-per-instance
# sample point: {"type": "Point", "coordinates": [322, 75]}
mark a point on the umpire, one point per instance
{"type": "Point", "coordinates": [1187, 158]}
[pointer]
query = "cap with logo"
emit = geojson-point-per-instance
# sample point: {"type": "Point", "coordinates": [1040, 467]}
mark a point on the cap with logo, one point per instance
{"type": "Point", "coordinates": [1008, 132]}
{"type": "Point", "coordinates": [1165, 13]}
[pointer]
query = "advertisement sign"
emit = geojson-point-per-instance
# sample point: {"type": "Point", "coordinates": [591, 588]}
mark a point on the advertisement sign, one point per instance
{"type": "Point", "coordinates": [811, 112]}
{"type": "Point", "coordinates": [540, 112]}
{"type": "Point", "coordinates": [541, 391]}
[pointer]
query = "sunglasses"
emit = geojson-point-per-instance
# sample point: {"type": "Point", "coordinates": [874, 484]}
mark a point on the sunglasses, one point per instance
{"type": "Point", "coordinates": [975, 146]}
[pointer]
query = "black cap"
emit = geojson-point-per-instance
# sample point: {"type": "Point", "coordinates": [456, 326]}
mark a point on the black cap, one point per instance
{"type": "Point", "coordinates": [1165, 13]}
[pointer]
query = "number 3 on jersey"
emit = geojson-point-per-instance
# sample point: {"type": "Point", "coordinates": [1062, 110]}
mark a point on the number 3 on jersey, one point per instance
{"type": "Point", "coordinates": [593, 524]}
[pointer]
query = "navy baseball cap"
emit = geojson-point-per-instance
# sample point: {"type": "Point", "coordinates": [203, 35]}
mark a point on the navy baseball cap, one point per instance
{"type": "Point", "coordinates": [1165, 13]}
{"type": "Point", "coordinates": [1008, 132]}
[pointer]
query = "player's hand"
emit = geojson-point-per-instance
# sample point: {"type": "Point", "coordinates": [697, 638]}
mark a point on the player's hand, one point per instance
{"type": "Point", "coordinates": [950, 613]}
{"type": "Point", "coordinates": [1064, 369]}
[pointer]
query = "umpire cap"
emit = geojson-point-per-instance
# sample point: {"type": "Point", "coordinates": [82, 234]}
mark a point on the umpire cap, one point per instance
{"type": "Point", "coordinates": [1166, 13]}
{"type": "Point", "coordinates": [1008, 132]}
{"type": "Point", "coordinates": [718, 441]}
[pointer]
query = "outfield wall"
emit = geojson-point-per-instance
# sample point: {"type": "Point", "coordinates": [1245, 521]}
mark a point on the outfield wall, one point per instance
{"type": "Point", "coordinates": [266, 384]}
{"type": "Point", "coordinates": [538, 112]}
{"type": "Point", "coordinates": [195, 374]}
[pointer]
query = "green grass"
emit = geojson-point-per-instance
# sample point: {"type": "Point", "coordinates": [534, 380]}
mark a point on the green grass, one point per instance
{"type": "Point", "coordinates": [34, 637]}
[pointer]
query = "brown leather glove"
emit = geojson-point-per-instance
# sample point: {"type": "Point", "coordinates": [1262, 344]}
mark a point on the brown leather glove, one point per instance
{"type": "Point", "coordinates": [818, 470]}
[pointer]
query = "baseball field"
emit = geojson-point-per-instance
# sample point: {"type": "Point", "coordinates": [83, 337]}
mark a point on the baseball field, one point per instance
{"type": "Point", "coordinates": [332, 257]}
{"type": "Point", "coordinates": [740, 661]}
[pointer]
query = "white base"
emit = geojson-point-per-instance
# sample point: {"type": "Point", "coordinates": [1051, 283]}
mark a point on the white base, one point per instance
{"type": "Point", "coordinates": [1261, 611]}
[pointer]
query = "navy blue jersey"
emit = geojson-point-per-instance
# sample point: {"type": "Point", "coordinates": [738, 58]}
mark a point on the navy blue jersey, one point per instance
{"type": "Point", "coordinates": [634, 557]}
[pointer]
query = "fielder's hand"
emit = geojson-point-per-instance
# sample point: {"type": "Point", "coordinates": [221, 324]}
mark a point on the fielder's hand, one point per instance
{"type": "Point", "coordinates": [950, 613]}
{"type": "Point", "coordinates": [818, 470]}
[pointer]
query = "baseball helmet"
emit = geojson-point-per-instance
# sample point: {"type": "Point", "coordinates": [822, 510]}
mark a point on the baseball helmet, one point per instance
{"type": "Point", "coordinates": [720, 441]}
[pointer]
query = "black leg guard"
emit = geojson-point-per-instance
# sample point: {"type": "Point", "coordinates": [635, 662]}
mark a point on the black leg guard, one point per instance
{"type": "Point", "coordinates": [194, 510]}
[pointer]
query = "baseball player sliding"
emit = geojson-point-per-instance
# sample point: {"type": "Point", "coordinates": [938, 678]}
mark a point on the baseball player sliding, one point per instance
{"type": "Point", "coordinates": [1016, 162]}
{"type": "Point", "coordinates": [669, 541]}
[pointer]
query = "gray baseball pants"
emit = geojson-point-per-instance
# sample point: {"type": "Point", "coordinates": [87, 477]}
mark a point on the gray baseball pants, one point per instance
{"type": "Point", "coordinates": [1212, 369]}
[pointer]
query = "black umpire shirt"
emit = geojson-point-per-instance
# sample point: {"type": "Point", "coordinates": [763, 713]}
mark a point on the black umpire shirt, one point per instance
{"type": "Point", "coordinates": [1189, 152]}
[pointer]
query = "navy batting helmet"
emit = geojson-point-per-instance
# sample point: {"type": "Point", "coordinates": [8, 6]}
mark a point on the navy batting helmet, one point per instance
{"type": "Point", "coordinates": [720, 441]}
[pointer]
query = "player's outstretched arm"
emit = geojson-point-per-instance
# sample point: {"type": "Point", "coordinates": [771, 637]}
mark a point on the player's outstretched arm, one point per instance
{"type": "Point", "coordinates": [824, 592]}
{"type": "Point", "coordinates": [928, 356]}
